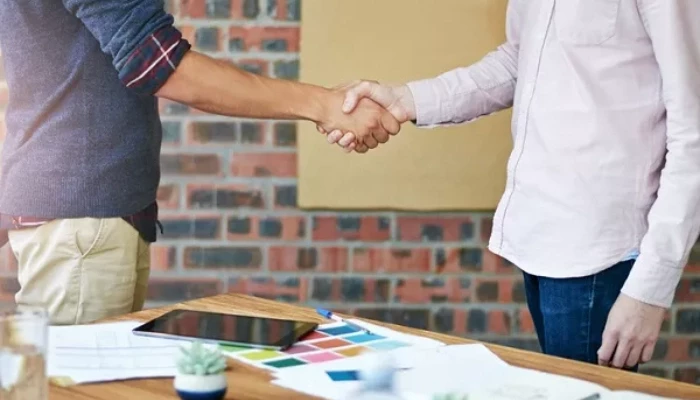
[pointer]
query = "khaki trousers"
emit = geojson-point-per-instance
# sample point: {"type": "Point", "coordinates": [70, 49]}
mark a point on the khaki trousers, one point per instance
{"type": "Point", "coordinates": [81, 270]}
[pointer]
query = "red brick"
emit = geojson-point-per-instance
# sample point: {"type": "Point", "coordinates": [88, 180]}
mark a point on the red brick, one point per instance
{"type": "Point", "coordinates": [237, 9]}
{"type": "Point", "coordinates": [687, 374]}
{"type": "Point", "coordinates": [439, 228]}
{"type": "Point", "coordinates": [168, 196]}
{"type": "Point", "coordinates": [459, 260]}
{"type": "Point", "coordinates": [321, 259]}
{"type": "Point", "coordinates": [427, 291]}
{"type": "Point", "coordinates": [499, 322]}
{"type": "Point", "coordinates": [391, 260]}
{"type": "Point", "coordinates": [171, 290]}
{"type": "Point", "coordinates": [236, 258]}
{"type": "Point", "coordinates": [497, 265]}
{"type": "Point", "coordinates": [191, 227]}
{"type": "Point", "coordinates": [193, 8]}
{"type": "Point", "coordinates": [283, 165]}
{"type": "Point", "coordinates": [525, 323]}
{"type": "Point", "coordinates": [451, 320]}
{"type": "Point", "coordinates": [677, 350]}
{"type": "Point", "coordinates": [368, 229]}
{"type": "Point", "coordinates": [498, 290]}
{"type": "Point", "coordinates": [486, 227]}
{"type": "Point", "coordinates": [212, 133]}
{"type": "Point", "coordinates": [281, 289]}
{"type": "Point", "coordinates": [208, 196]}
{"type": "Point", "coordinates": [162, 257]}
{"type": "Point", "coordinates": [188, 32]}
{"type": "Point", "coordinates": [351, 289]}
{"type": "Point", "coordinates": [266, 228]}
{"type": "Point", "coordinates": [281, 10]}
{"type": "Point", "coordinates": [688, 290]}
{"type": "Point", "coordinates": [190, 164]}
{"type": "Point", "coordinates": [253, 37]}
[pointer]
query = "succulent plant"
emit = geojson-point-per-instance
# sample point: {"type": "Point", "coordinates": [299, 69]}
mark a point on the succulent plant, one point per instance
{"type": "Point", "coordinates": [199, 360]}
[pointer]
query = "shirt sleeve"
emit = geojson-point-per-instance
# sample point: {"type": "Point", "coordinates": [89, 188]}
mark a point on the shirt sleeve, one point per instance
{"type": "Point", "coordinates": [465, 94]}
{"type": "Point", "coordinates": [139, 36]}
{"type": "Point", "coordinates": [674, 218]}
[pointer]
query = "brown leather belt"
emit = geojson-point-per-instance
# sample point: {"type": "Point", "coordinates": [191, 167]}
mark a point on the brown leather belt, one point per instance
{"type": "Point", "coordinates": [144, 221]}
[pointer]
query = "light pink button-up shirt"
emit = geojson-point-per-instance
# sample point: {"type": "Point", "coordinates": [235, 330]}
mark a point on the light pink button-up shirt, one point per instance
{"type": "Point", "coordinates": [606, 134]}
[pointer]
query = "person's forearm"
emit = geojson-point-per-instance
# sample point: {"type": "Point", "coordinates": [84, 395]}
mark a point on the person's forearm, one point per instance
{"type": "Point", "coordinates": [674, 220]}
{"type": "Point", "coordinates": [219, 87]}
{"type": "Point", "coordinates": [465, 94]}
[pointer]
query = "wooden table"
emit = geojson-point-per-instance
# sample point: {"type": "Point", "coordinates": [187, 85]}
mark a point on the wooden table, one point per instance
{"type": "Point", "coordinates": [249, 383]}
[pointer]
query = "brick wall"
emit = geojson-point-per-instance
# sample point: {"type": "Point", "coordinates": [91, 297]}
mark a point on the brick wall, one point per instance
{"type": "Point", "coordinates": [231, 223]}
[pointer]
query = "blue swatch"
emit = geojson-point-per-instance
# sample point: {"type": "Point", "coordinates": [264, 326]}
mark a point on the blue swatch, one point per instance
{"type": "Point", "coordinates": [343, 376]}
{"type": "Point", "coordinates": [339, 330]}
{"type": "Point", "coordinates": [387, 345]}
{"type": "Point", "coordinates": [363, 338]}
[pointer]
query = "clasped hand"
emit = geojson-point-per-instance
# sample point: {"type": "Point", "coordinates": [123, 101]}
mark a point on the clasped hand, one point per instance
{"type": "Point", "coordinates": [377, 110]}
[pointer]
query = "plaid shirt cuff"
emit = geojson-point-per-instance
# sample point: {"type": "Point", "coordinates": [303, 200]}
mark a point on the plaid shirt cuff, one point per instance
{"type": "Point", "coordinates": [152, 63]}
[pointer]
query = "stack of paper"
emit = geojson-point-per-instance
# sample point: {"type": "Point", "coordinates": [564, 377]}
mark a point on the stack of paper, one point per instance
{"type": "Point", "coordinates": [107, 352]}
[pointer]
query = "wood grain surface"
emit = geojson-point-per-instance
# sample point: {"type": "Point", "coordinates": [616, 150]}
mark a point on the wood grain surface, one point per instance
{"type": "Point", "coordinates": [249, 383]}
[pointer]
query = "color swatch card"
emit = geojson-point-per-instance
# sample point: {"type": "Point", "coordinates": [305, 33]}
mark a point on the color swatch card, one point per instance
{"type": "Point", "coordinates": [330, 342]}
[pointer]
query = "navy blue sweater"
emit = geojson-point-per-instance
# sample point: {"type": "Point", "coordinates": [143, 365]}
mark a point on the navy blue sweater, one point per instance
{"type": "Point", "coordinates": [83, 131]}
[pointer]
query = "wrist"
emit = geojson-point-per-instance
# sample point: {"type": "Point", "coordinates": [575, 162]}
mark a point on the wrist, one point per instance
{"type": "Point", "coordinates": [313, 103]}
{"type": "Point", "coordinates": [406, 101]}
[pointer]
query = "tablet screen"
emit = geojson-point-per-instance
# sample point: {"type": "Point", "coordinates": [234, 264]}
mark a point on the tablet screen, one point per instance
{"type": "Point", "coordinates": [227, 328]}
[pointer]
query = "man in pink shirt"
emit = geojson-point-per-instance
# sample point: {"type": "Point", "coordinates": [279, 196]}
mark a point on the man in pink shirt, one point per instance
{"type": "Point", "coordinates": [602, 201]}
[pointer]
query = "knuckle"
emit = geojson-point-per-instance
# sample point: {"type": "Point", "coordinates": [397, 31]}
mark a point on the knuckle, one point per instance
{"type": "Point", "coordinates": [627, 337]}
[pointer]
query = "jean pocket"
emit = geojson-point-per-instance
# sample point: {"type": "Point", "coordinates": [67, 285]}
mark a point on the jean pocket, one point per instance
{"type": "Point", "coordinates": [586, 22]}
{"type": "Point", "coordinates": [88, 233]}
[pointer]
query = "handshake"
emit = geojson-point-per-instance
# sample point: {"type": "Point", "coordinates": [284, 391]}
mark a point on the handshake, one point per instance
{"type": "Point", "coordinates": [363, 114]}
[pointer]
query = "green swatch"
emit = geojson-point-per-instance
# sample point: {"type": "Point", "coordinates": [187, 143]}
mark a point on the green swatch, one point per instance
{"type": "Point", "coordinates": [284, 363]}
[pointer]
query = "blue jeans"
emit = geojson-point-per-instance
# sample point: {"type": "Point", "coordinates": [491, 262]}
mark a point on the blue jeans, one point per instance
{"type": "Point", "coordinates": [570, 314]}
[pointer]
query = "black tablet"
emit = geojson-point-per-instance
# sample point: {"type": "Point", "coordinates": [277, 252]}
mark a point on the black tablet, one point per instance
{"type": "Point", "coordinates": [235, 330]}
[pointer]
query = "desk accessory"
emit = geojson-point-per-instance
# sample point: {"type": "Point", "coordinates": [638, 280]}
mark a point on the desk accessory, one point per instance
{"type": "Point", "coordinates": [200, 373]}
{"type": "Point", "coordinates": [329, 315]}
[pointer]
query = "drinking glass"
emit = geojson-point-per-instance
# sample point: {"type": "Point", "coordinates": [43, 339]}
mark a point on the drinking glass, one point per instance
{"type": "Point", "coordinates": [23, 352]}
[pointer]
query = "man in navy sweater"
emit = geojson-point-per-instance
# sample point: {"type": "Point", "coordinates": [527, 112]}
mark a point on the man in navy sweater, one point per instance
{"type": "Point", "coordinates": [80, 164]}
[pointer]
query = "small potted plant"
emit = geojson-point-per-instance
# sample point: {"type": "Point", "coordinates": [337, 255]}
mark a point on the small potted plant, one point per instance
{"type": "Point", "coordinates": [200, 374]}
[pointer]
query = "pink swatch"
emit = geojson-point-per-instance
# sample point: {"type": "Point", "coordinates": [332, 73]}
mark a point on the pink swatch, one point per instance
{"type": "Point", "coordinates": [321, 357]}
{"type": "Point", "coordinates": [300, 348]}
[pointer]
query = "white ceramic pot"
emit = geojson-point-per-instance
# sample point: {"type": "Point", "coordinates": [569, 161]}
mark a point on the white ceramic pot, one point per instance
{"type": "Point", "coordinates": [200, 387]}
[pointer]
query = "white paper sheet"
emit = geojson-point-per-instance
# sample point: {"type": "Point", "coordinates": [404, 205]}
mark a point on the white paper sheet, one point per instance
{"type": "Point", "coordinates": [415, 340]}
{"type": "Point", "coordinates": [107, 352]}
{"type": "Point", "coordinates": [423, 372]}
